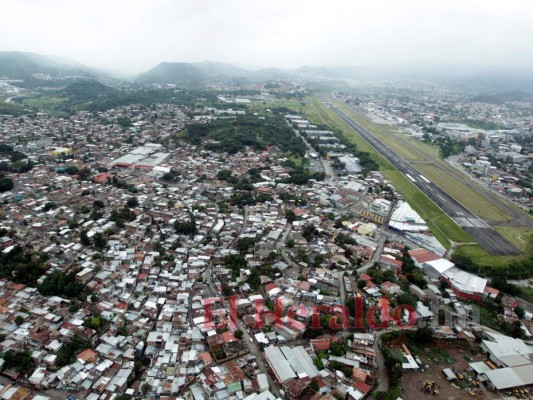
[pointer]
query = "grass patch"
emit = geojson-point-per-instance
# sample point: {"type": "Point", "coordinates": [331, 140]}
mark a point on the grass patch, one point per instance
{"type": "Point", "coordinates": [49, 104]}
{"type": "Point", "coordinates": [526, 293]}
{"type": "Point", "coordinates": [486, 263]}
{"type": "Point", "coordinates": [520, 237]}
{"type": "Point", "coordinates": [463, 194]}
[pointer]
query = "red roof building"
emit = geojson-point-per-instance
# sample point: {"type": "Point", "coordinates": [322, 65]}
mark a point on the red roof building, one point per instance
{"type": "Point", "coordinates": [421, 256]}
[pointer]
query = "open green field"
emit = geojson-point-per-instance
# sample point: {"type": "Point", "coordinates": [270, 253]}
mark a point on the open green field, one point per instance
{"type": "Point", "coordinates": [520, 237]}
{"type": "Point", "coordinates": [485, 260]}
{"type": "Point", "coordinates": [462, 193]}
{"type": "Point", "coordinates": [442, 226]}
{"type": "Point", "coordinates": [47, 104]}
{"type": "Point", "coordinates": [510, 267]}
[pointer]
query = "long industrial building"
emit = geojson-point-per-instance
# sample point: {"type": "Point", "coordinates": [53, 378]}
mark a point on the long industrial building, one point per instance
{"type": "Point", "coordinates": [514, 356]}
{"type": "Point", "coordinates": [143, 157]}
{"type": "Point", "coordinates": [289, 363]}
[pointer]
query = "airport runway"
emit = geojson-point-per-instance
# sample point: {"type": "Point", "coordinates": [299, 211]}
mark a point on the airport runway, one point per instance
{"type": "Point", "coordinates": [482, 232]}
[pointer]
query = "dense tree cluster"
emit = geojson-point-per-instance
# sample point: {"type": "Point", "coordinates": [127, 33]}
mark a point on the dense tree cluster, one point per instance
{"type": "Point", "coordinates": [118, 183]}
{"type": "Point", "coordinates": [20, 267]}
{"type": "Point", "coordinates": [411, 272]}
{"type": "Point", "coordinates": [379, 275]}
{"type": "Point", "coordinates": [235, 262]}
{"type": "Point", "coordinates": [61, 284]}
{"type": "Point", "coordinates": [186, 227]}
{"type": "Point", "coordinates": [21, 361]}
{"type": "Point", "coordinates": [233, 136]}
{"type": "Point", "coordinates": [5, 184]}
{"type": "Point", "coordinates": [121, 216]}
{"type": "Point", "coordinates": [171, 176]}
{"type": "Point", "coordinates": [254, 280]}
{"type": "Point", "coordinates": [67, 354]}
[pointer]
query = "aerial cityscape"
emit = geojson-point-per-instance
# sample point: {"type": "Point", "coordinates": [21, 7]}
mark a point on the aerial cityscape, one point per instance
{"type": "Point", "coordinates": [315, 215]}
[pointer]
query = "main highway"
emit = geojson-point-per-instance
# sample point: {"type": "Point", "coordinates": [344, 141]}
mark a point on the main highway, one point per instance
{"type": "Point", "coordinates": [482, 232]}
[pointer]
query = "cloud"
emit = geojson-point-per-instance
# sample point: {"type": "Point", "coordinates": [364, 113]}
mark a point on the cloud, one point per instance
{"type": "Point", "coordinates": [137, 34]}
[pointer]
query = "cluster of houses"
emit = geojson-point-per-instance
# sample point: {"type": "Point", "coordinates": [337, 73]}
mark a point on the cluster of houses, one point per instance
{"type": "Point", "coordinates": [149, 231]}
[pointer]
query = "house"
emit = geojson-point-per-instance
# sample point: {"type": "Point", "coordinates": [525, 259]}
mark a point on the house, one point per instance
{"type": "Point", "coordinates": [391, 287]}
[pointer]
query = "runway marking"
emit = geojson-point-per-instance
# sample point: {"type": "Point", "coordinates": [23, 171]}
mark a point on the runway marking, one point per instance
{"type": "Point", "coordinates": [440, 197]}
{"type": "Point", "coordinates": [425, 179]}
{"type": "Point", "coordinates": [471, 222]}
{"type": "Point", "coordinates": [410, 177]}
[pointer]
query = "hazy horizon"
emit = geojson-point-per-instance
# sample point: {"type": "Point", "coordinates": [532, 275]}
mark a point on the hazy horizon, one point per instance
{"type": "Point", "coordinates": [130, 37]}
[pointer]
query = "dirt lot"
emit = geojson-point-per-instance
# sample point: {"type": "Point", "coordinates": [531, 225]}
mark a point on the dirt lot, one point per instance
{"type": "Point", "coordinates": [437, 360]}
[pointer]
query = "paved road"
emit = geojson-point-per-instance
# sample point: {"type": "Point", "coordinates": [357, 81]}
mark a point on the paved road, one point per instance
{"type": "Point", "coordinates": [342, 288]}
{"type": "Point", "coordinates": [483, 233]}
{"type": "Point", "coordinates": [376, 255]}
{"type": "Point", "coordinates": [383, 376]}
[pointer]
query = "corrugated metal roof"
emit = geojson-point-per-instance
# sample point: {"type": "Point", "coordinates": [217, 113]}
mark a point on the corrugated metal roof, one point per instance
{"type": "Point", "coordinates": [300, 360]}
{"type": "Point", "coordinates": [504, 346]}
{"type": "Point", "coordinates": [504, 378]}
{"type": "Point", "coordinates": [279, 363]}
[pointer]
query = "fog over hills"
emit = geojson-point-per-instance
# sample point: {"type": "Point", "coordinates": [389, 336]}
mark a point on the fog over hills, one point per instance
{"type": "Point", "coordinates": [23, 65]}
{"type": "Point", "coordinates": [17, 64]}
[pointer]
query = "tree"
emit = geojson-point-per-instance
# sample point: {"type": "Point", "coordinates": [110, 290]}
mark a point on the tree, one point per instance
{"type": "Point", "coordinates": [21, 361]}
{"type": "Point", "coordinates": [337, 349]}
{"type": "Point", "coordinates": [244, 244]}
{"type": "Point", "coordinates": [93, 323]}
{"type": "Point", "coordinates": [100, 241]}
{"type": "Point", "coordinates": [423, 335]}
{"type": "Point", "coordinates": [84, 239]}
{"type": "Point", "coordinates": [219, 354]}
{"type": "Point", "coordinates": [407, 298]}
{"type": "Point", "coordinates": [49, 206]}
{"type": "Point", "coordinates": [6, 184]}
{"type": "Point", "coordinates": [290, 243]}
{"type": "Point", "coordinates": [314, 385]}
{"type": "Point", "coordinates": [319, 259]}
{"type": "Point", "coordinates": [224, 174]}
{"type": "Point", "coordinates": [145, 388]}
{"type": "Point", "coordinates": [361, 283]}
{"type": "Point", "coordinates": [519, 311]}
{"type": "Point", "coordinates": [19, 320]}
{"type": "Point", "coordinates": [122, 330]}
{"type": "Point", "coordinates": [290, 215]}
{"type": "Point", "coordinates": [132, 202]}
{"type": "Point", "coordinates": [238, 334]}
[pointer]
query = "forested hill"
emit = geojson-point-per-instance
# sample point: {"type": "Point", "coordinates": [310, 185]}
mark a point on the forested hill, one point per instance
{"type": "Point", "coordinates": [177, 73]}
{"type": "Point", "coordinates": [90, 95]}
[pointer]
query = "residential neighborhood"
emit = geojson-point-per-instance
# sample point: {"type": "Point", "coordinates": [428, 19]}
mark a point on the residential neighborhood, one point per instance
{"type": "Point", "coordinates": [160, 268]}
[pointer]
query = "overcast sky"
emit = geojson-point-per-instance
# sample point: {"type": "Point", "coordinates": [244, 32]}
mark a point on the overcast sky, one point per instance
{"type": "Point", "coordinates": [135, 35]}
